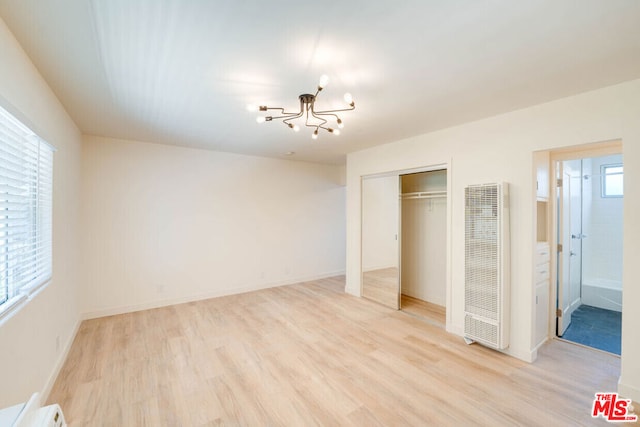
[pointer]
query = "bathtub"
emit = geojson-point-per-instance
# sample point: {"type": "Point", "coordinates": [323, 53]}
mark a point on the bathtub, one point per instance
{"type": "Point", "coordinates": [602, 293]}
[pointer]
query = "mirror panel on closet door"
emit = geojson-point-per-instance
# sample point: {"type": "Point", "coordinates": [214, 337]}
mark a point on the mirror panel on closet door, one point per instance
{"type": "Point", "coordinates": [380, 220]}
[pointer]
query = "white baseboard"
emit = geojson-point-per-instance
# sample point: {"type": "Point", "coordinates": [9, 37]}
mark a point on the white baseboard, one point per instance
{"type": "Point", "coordinates": [352, 291]}
{"type": "Point", "coordinates": [534, 351]}
{"type": "Point", "coordinates": [528, 356]}
{"type": "Point", "coordinates": [62, 357]}
{"type": "Point", "coordinates": [455, 329]}
{"type": "Point", "coordinates": [214, 294]}
{"type": "Point", "coordinates": [628, 391]}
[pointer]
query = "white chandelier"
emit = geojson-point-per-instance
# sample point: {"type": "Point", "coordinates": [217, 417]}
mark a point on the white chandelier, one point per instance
{"type": "Point", "coordinates": [312, 118]}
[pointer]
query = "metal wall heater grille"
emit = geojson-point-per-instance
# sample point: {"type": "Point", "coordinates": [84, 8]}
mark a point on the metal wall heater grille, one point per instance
{"type": "Point", "coordinates": [486, 231]}
{"type": "Point", "coordinates": [484, 332]}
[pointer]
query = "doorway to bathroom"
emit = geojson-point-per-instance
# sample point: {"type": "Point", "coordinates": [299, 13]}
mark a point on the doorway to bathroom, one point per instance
{"type": "Point", "coordinates": [590, 197]}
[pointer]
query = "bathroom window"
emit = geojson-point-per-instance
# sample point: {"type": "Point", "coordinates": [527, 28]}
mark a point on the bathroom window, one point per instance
{"type": "Point", "coordinates": [612, 180]}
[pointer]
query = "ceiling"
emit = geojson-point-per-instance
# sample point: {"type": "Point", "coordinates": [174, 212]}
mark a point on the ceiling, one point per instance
{"type": "Point", "coordinates": [182, 72]}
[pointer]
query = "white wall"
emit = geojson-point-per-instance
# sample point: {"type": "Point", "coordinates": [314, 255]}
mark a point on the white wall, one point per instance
{"type": "Point", "coordinates": [500, 148]}
{"type": "Point", "coordinates": [33, 341]}
{"type": "Point", "coordinates": [424, 237]}
{"type": "Point", "coordinates": [164, 224]}
{"type": "Point", "coordinates": [602, 248]}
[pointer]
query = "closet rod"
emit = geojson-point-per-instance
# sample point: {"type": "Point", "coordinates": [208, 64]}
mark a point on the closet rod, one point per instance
{"type": "Point", "coordinates": [444, 196]}
{"type": "Point", "coordinates": [424, 195]}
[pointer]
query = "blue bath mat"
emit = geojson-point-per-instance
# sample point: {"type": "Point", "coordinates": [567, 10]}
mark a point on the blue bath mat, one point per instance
{"type": "Point", "coordinates": [595, 327]}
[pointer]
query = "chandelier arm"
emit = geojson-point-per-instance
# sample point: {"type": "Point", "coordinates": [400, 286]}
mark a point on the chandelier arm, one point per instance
{"type": "Point", "coordinates": [324, 121]}
{"type": "Point", "coordinates": [316, 114]}
{"type": "Point", "coordinates": [281, 117]}
{"type": "Point", "coordinates": [284, 113]}
{"type": "Point", "coordinates": [288, 116]}
{"type": "Point", "coordinates": [279, 108]}
{"type": "Point", "coordinates": [296, 116]}
{"type": "Point", "coordinates": [306, 114]}
{"type": "Point", "coordinates": [335, 111]}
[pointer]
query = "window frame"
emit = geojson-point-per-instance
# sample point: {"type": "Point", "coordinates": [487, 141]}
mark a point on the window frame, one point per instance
{"type": "Point", "coordinates": [26, 257]}
{"type": "Point", "coordinates": [603, 179]}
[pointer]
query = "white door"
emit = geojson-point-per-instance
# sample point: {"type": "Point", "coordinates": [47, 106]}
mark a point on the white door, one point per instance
{"type": "Point", "coordinates": [570, 234]}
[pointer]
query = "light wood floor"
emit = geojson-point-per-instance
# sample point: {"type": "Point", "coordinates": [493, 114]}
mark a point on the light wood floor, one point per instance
{"type": "Point", "coordinates": [433, 313]}
{"type": "Point", "coordinates": [308, 354]}
{"type": "Point", "coordinates": [381, 286]}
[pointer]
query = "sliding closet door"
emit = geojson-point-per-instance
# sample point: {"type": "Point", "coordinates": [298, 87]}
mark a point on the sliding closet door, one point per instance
{"type": "Point", "coordinates": [380, 251]}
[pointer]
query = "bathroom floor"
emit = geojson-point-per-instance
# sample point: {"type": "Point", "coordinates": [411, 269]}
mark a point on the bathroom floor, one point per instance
{"type": "Point", "coordinates": [595, 327]}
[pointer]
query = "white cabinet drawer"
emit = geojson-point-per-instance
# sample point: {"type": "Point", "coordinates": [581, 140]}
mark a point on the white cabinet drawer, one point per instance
{"type": "Point", "coordinates": [541, 273]}
{"type": "Point", "coordinates": [542, 254]}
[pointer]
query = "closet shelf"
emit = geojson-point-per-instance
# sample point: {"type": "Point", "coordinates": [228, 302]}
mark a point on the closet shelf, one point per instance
{"type": "Point", "coordinates": [424, 195]}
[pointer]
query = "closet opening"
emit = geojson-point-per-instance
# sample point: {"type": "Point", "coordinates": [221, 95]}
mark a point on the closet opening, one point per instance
{"type": "Point", "coordinates": [423, 248]}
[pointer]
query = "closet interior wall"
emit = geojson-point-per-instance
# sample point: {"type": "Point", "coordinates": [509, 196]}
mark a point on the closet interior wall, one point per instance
{"type": "Point", "coordinates": [424, 227]}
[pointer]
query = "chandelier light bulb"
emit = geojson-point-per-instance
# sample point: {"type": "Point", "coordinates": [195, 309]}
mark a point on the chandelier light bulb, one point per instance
{"type": "Point", "coordinates": [296, 128]}
{"type": "Point", "coordinates": [336, 132]}
{"type": "Point", "coordinates": [314, 135]}
{"type": "Point", "coordinates": [348, 98]}
{"type": "Point", "coordinates": [324, 79]}
{"type": "Point", "coordinates": [340, 124]}
{"type": "Point", "coordinates": [260, 119]}
{"type": "Point", "coordinates": [252, 107]}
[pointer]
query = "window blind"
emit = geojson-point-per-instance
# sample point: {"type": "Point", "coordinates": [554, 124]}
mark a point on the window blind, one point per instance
{"type": "Point", "coordinates": [26, 190]}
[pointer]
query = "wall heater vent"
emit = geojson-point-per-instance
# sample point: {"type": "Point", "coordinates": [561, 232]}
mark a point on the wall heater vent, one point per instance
{"type": "Point", "coordinates": [486, 295]}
